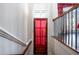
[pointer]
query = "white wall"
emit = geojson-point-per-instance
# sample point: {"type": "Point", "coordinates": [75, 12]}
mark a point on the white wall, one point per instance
{"type": "Point", "coordinates": [8, 47]}
{"type": "Point", "coordinates": [14, 18]}
{"type": "Point", "coordinates": [11, 19]}
{"type": "Point", "coordinates": [29, 22]}
{"type": "Point", "coordinates": [52, 14]}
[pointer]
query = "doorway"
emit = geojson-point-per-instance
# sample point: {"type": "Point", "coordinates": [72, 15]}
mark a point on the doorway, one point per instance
{"type": "Point", "coordinates": [40, 36]}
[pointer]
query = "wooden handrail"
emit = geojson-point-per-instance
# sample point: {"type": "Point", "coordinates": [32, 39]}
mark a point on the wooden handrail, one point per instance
{"type": "Point", "coordinates": [27, 47]}
{"type": "Point", "coordinates": [74, 7]}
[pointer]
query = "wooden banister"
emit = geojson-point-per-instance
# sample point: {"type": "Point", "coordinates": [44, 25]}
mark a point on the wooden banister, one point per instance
{"type": "Point", "coordinates": [74, 7]}
{"type": "Point", "coordinates": [60, 34]}
{"type": "Point", "coordinates": [27, 47]}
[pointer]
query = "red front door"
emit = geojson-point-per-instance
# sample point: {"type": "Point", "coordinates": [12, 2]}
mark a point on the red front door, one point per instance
{"type": "Point", "coordinates": [40, 36]}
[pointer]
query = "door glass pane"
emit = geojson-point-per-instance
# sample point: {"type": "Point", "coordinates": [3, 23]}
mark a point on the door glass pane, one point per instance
{"type": "Point", "coordinates": [43, 41]}
{"type": "Point", "coordinates": [37, 23]}
{"type": "Point", "coordinates": [38, 32]}
{"type": "Point", "coordinates": [44, 32]}
{"type": "Point", "coordinates": [37, 41]}
{"type": "Point", "coordinates": [43, 23]}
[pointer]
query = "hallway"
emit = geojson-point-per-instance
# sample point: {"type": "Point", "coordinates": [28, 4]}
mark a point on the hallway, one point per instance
{"type": "Point", "coordinates": [39, 29]}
